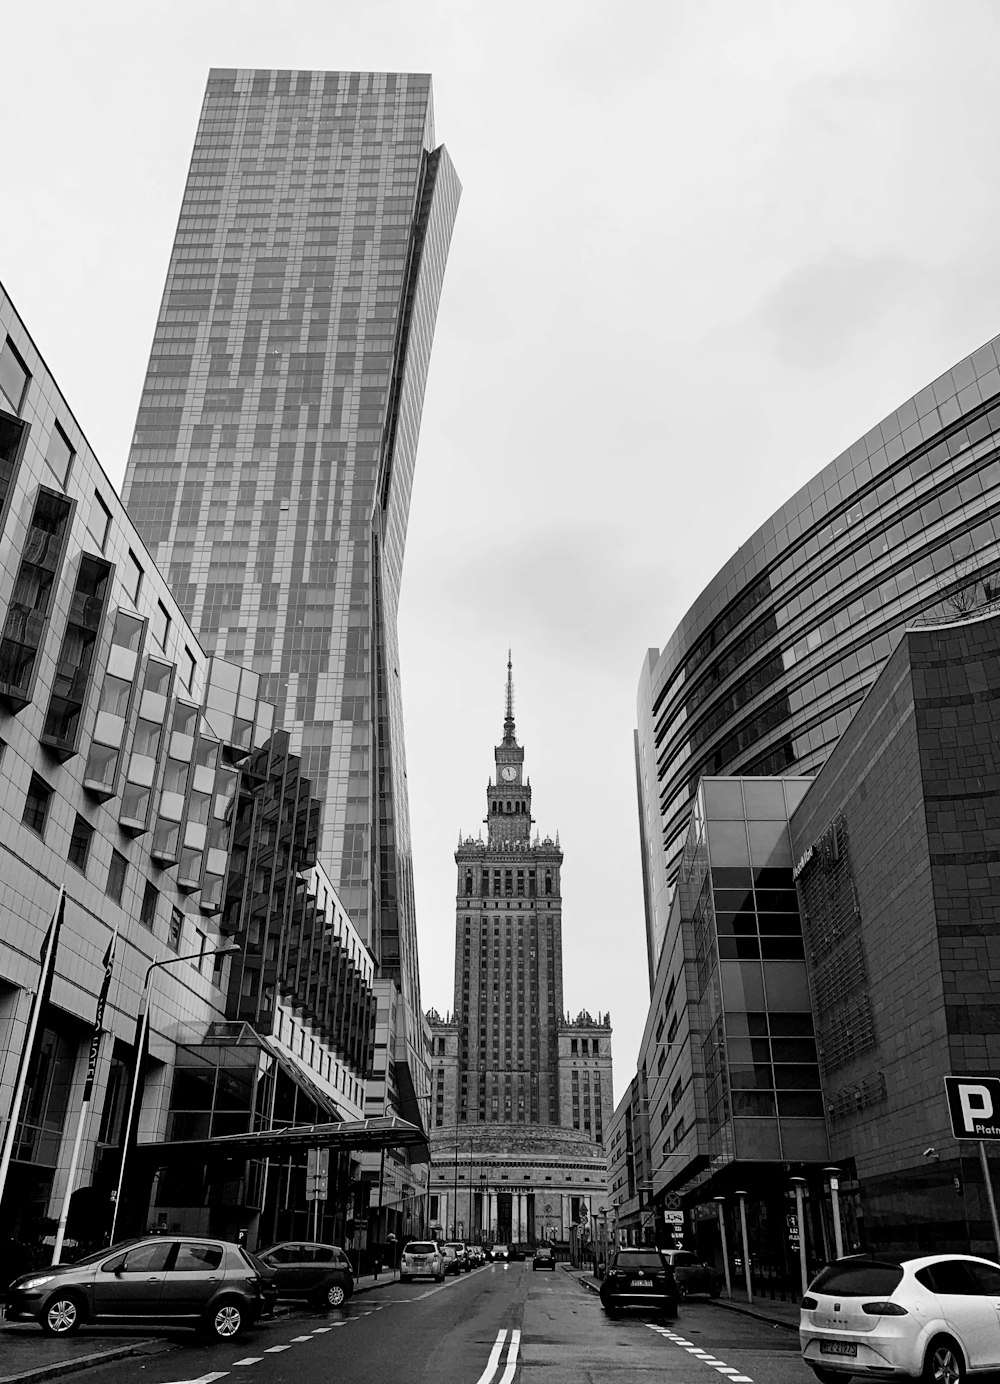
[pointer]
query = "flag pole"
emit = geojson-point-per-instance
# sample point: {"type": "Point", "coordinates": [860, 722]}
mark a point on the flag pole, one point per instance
{"type": "Point", "coordinates": [14, 1117]}
{"type": "Point", "coordinates": [71, 1178]}
{"type": "Point", "coordinates": [88, 1090]}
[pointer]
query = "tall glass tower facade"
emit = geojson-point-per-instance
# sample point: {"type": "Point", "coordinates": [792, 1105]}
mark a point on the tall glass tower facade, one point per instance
{"type": "Point", "coordinates": [272, 463]}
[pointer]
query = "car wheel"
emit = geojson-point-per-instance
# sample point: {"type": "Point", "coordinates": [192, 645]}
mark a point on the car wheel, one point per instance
{"type": "Point", "coordinates": [715, 1291]}
{"type": "Point", "coordinates": [404, 1278]}
{"type": "Point", "coordinates": [226, 1320]}
{"type": "Point", "coordinates": [944, 1363]}
{"type": "Point", "coordinates": [828, 1376]}
{"type": "Point", "coordinates": [610, 1311]}
{"type": "Point", "coordinates": [682, 1290]}
{"type": "Point", "coordinates": [439, 1277]}
{"type": "Point", "coordinates": [334, 1296]}
{"type": "Point", "coordinates": [61, 1315]}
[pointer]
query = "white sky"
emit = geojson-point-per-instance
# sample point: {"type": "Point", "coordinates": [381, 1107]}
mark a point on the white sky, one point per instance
{"type": "Point", "coordinates": [703, 246]}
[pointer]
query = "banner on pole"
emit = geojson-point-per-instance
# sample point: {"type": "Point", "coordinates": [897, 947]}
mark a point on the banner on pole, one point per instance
{"type": "Point", "coordinates": [95, 1037]}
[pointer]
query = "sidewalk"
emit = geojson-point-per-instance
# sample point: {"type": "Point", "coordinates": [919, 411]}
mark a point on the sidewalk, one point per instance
{"type": "Point", "coordinates": [783, 1314]}
{"type": "Point", "coordinates": [27, 1355]}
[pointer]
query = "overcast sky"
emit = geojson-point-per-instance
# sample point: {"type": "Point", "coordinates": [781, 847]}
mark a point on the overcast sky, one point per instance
{"type": "Point", "coordinates": [702, 247]}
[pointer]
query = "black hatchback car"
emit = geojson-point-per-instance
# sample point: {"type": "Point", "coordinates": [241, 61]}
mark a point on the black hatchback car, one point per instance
{"type": "Point", "coordinates": [639, 1278]}
{"type": "Point", "coordinates": [183, 1280]}
{"type": "Point", "coordinates": [318, 1274]}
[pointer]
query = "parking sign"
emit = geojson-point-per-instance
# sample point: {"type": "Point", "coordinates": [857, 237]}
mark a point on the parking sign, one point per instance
{"type": "Point", "coordinates": [974, 1106]}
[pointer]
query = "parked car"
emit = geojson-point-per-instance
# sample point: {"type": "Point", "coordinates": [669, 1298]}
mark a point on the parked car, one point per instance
{"type": "Point", "coordinates": [912, 1316]}
{"type": "Point", "coordinates": [183, 1280]}
{"type": "Point", "coordinates": [692, 1274]}
{"type": "Point", "coordinates": [318, 1274]}
{"type": "Point", "coordinates": [458, 1260]}
{"type": "Point", "coordinates": [543, 1258]}
{"type": "Point", "coordinates": [501, 1252]}
{"type": "Point", "coordinates": [421, 1259]}
{"type": "Point", "coordinates": [639, 1278]}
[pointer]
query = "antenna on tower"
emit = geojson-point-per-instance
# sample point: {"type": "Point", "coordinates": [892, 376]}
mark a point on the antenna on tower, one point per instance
{"type": "Point", "coordinates": [509, 738]}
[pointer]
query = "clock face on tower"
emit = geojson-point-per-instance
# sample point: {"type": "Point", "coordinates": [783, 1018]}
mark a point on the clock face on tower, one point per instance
{"type": "Point", "coordinates": [508, 773]}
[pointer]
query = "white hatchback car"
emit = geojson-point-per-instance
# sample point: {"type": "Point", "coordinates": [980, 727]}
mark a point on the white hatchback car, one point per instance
{"type": "Point", "coordinates": [421, 1259]}
{"type": "Point", "coordinates": [934, 1317]}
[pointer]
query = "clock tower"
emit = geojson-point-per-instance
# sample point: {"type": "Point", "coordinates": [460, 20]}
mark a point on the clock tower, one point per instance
{"type": "Point", "coordinates": [508, 801]}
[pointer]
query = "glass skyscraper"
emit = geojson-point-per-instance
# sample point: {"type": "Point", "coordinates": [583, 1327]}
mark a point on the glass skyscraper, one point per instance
{"type": "Point", "coordinates": [272, 463]}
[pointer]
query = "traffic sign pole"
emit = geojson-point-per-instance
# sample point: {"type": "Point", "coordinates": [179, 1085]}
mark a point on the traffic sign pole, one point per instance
{"type": "Point", "coordinates": [988, 1184]}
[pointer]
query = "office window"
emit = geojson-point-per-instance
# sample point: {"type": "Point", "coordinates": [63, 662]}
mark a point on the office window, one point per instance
{"type": "Point", "coordinates": [133, 577]}
{"type": "Point", "coordinates": [100, 521]}
{"type": "Point", "coordinates": [14, 376]}
{"type": "Point", "coordinates": [175, 929]}
{"type": "Point", "coordinates": [36, 805]}
{"type": "Point", "coordinates": [189, 668]}
{"type": "Point", "coordinates": [150, 898]}
{"type": "Point", "coordinates": [117, 871]}
{"type": "Point", "coordinates": [59, 455]}
{"type": "Point", "coordinates": [79, 843]}
{"type": "Point", "coordinates": [161, 625]}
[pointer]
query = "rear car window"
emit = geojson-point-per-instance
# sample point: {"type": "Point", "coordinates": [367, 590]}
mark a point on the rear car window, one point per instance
{"type": "Point", "coordinates": [420, 1247]}
{"type": "Point", "coordinates": [638, 1259]}
{"type": "Point", "coordinates": [951, 1276]}
{"type": "Point", "coordinates": [858, 1278]}
{"type": "Point", "coordinates": [197, 1258]}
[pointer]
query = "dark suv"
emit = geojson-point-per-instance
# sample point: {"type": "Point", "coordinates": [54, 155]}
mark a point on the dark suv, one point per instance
{"type": "Point", "coordinates": [639, 1278]}
{"type": "Point", "coordinates": [184, 1280]}
{"type": "Point", "coordinates": [318, 1274]}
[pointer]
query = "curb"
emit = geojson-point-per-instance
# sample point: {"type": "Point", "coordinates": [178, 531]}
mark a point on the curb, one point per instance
{"type": "Point", "coordinates": [745, 1311]}
{"type": "Point", "coordinates": [79, 1362]}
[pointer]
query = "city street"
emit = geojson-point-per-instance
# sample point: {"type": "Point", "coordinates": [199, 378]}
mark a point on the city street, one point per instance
{"type": "Point", "coordinates": [496, 1325]}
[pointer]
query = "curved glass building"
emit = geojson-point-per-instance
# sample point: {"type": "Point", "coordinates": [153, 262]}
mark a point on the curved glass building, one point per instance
{"type": "Point", "coordinates": [767, 667]}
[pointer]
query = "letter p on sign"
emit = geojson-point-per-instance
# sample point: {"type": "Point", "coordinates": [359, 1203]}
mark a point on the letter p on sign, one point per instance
{"type": "Point", "coordinates": [972, 1103]}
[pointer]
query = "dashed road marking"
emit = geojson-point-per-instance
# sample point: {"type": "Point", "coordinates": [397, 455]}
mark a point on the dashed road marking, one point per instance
{"type": "Point", "coordinates": [248, 1360]}
{"type": "Point", "coordinates": [273, 1350]}
{"type": "Point", "coordinates": [321, 1330]}
{"type": "Point", "coordinates": [301, 1338]}
{"type": "Point", "coordinates": [706, 1357]}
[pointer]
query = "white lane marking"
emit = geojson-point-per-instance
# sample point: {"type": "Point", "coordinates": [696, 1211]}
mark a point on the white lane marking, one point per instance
{"type": "Point", "coordinates": [300, 1338]}
{"type": "Point", "coordinates": [273, 1350]}
{"type": "Point", "coordinates": [704, 1356]}
{"type": "Point", "coordinates": [249, 1360]}
{"type": "Point", "coordinates": [203, 1378]}
{"type": "Point", "coordinates": [515, 1341]}
{"type": "Point", "coordinates": [494, 1360]}
{"type": "Point", "coordinates": [321, 1330]}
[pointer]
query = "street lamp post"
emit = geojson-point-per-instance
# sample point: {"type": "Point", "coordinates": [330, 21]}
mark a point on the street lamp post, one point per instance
{"type": "Point", "coordinates": [799, 1183]}
{"type": "Point", "coordinates": [142, 1029]}
{"type": "Point", "coordinates": [720, 1205]}
{"type": "Point", "coordinates": [838, 1235]}
{"type": "Point", "coordinates": [746, 1244]}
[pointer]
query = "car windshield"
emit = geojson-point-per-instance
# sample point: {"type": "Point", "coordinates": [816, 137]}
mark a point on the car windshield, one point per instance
{"type": "Point", "coordinates": [858, 1278]}
{"type": "Point", "coordinates": [638, 1259]}
{"type": "Point", "coordinates": [420, 1247]}
{"type": "Point", "coordinates": [100, 1254]}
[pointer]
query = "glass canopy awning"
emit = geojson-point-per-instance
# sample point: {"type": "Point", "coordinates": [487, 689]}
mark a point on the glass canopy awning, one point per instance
{"type": "Point", "coordinates": [383, 1132]}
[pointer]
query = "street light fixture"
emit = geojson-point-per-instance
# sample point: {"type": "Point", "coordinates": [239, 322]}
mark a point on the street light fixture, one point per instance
{"type": "Point", "coordinates": [226, 950]}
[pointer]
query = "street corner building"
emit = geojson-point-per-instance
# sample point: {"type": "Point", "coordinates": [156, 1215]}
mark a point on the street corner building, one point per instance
{"type": "Point", "coordinates": [813, 752]}
{"type": "Point", "coordinates": [521, 1094]}
{"type": "Point", "coordinates": [142, 782]}
{"type": "Point", "coordinates": [274, 453]}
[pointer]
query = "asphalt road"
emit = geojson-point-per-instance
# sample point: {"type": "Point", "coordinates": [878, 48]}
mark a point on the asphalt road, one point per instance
{"type": "Point", "coordinates": [497, 1325]}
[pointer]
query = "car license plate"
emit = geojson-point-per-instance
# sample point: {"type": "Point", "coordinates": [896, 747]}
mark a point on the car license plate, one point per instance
{"type": "Point", "coordinates": [838, 1348]}
{"type": "Point", "coordinates": [642, 1283]}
